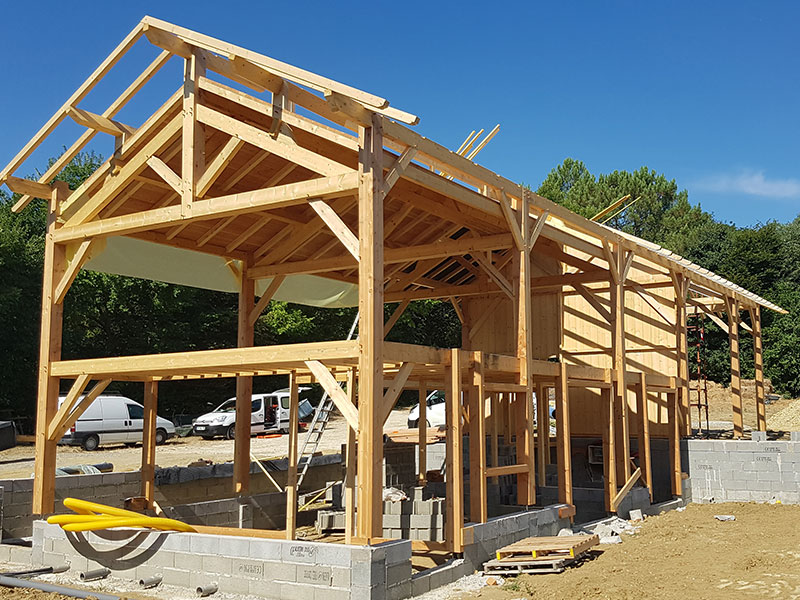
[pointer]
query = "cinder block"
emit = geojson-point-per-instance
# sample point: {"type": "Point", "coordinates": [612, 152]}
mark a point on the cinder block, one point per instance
{"type": "Point", "coordinates": [399, 591]}
{"type": "Point", "coordinates": [297, 591]}
{"type": "Point", "coordinates": [188, 561]}
{"type": "Point", "coordinates": [368, 573]}
{"type": "Point", "coordinates": [794, 436]}
{"type": "Point", "coordinates": [204, 544]}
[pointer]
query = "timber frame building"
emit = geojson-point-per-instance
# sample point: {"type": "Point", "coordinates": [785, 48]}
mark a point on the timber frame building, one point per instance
{"type": "Point", "coordinates": [261, 178]}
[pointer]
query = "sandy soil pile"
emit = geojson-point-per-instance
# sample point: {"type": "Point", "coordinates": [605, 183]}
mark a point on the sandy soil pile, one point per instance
{"type": "Point", "coordinates": [787, 419]}
{"type": "Point", "coordinates": [682, 555]}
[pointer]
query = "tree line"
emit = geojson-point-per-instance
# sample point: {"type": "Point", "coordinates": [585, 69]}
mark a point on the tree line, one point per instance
{"type": "Point", "coordinates": [109, 315]}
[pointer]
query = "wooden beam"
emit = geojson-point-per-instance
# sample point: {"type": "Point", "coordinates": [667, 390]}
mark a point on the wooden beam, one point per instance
{"type": "Point", "coordinates": [370, 339]}
{"type": "Point", "coordinates": [265, 298]}
{"type": "Point", "coordinates": [589, 296]}
{"type": "Point", "coordinates": [478, 508]}
{"type": "Point", "coordinates": [542, 431]}
{"type": "Point", "coordinates": [338, 227]}
{"type": "Point", "coordinates": [674, 443]}
{"type": "Point", "coordinates": [217, 165]}
{"type": "Point", "coordinates": [350, 467]}
{"type": "Point", "coordinates": [28, 187]}
{"type": "Point", "coordinates": [454, 456]}
{"type": "Point", "coordinates": [758, 363]}
{"type": "Point", "coordinates": [613, 267]}
{"type": "Point", "coordinates": [422, 430]}
{"type": "Point", "coordinates": [99, 122]}
{"type": "Point", "coordinates": [331, 386]}
{"type": "Point", "coordinates": [643, 436]}
{"type": "Point", "coordinates": [607, 398]}
{"type": "Point", "coordinates": [79, 409]}
{"type": "Point", "coordinates": [291, 475]}
{"type": "Point", "coordinates": [563, 437]}
{"type": "Point", "coordinates": [398, 312]}
{"type": "Point", "coordinates": [680, 285]}
{"type": "Point", "coordinates": [244, 390]}
{"type": "Point", "coordinates": [398, 168]}
{"type": "Point", "coordinates": [393, 393]}
{"type": "Point", "coordinates": [67, 406]}
{"type": "Point", "coordinates": [619, 364]}
{"type": "Point", "coordinates": [193, 138]}
{"type": "Point", "coordinates": [49, 351]}
{"type": "Point", "coordinates": [512, 220]}
{"type": "Point", "coordinates": [537, 229]}
{"type": "Point", "coordinates": [625, 489]}
{"type": "Point", "coordinates": [71, 272]}
{"type": "Point", "coordinates": [736, 373]}
{"type": "Point", "coordinates": [495, 275]}
{"type": "Point", "coordinates": [148, 471]}
{"type": "Point", "coordinates": [214, 208]}
{"type": "Point", "coordinates": [167, 174]}
{"type": "Point", "coordinates": [507, 470]}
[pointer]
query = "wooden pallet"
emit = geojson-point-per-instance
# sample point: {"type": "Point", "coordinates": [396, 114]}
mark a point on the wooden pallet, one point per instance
{"type": "Point", "coordinates": [517, 566]}
{"type": "Point", "coordinates": [569, 546]}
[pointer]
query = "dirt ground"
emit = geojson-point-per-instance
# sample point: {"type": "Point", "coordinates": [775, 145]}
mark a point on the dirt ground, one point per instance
{"type": "Point", "coordinates": [18, 461]}
{"type": "Point", "coordinates": [681, 555]}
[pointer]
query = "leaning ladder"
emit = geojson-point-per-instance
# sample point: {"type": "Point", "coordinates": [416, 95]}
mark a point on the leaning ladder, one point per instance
{"type": "Point", "coordinates": [318, 423]}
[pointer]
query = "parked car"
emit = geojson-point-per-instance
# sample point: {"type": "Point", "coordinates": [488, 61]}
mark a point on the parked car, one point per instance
{"type": "Point", "coordinates": [268, 412]}
{"type": "Point", "coordinates": [113, 419]}
{"type": "Point", "coordinates": [434, 411]}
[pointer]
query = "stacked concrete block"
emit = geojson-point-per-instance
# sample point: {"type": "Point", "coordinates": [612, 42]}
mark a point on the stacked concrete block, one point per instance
{"type": "Point", "coordinates": [742, 470]}
{"type": "Point", "coordinates": [399, 466]}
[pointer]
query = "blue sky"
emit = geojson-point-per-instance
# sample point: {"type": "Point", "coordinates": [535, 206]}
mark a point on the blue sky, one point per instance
{"type": "Point", "coordinates": [707, 93]}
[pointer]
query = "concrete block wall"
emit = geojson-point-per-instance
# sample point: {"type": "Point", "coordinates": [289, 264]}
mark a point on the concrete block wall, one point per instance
{"type": "Point", "coordinates": [265, 568]}
{"type": "Point", "coordinates": [174, 486]}
{"type": "Point", "coordinates": [742, 470]}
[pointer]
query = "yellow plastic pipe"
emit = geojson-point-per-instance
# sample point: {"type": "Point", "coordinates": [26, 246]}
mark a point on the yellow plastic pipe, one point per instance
{"type": "Point", "coordinates": [92, 516]}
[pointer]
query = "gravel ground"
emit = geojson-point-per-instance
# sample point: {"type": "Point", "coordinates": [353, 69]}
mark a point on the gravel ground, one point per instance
{"type": "Point", "coordinates": [18, 462]}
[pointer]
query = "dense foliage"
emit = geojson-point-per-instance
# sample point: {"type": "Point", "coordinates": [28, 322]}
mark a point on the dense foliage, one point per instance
{"type": "Point", "coordinates": [108, 315]}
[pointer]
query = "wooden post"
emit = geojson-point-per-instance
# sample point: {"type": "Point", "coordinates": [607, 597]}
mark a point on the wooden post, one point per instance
{"type": "Point", "coordinates": [291, 475]}
{"type": "Point", "coordinates": [682, 351]}
{"type": "Point", "coordinates": [193, 137]}
{"type": "Point", "coordinates": [619, 365]}
{"type": "Point", "coordinates": [643, 436]}
{"type": "Point", "coordinates": [478, 510]}
{"type": "Point", "coordinates": [454, 457]}
{"type": "Point", "coordinates": [526, 482]}
{"type": "Point", "coordinates": [674, 443]}
{"type": "Point", "coordinates": [422, 426]}
{"type": "Point", "coordinates": [244, 391]}
{"type": "Point", "coordinates": [564, 443]}
{"type": "Point", "coordinates": [49, 351]}
{"type": "Point", "coordinates": [542, 430]}
{"type": "Point", "coordinates": [758, 362]}
{"type": "Point", "coordinates": [494, 404]}
{"type": "Point", "coordinates": [149, 441]}
{"type": "Point", "coordinates": [736, 374]}
{"type": "Point", "coordinates": [370, 338]}
{"type": "Point", "coordinates": [609, 450]}
{"type": "Point", "coordinates": [350, 468]}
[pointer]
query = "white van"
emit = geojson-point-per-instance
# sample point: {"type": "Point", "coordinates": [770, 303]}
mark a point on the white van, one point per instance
{"type": "Point", "coordinates": [269, 412]}
{"type": "Point", "coordinates": [113, 419]}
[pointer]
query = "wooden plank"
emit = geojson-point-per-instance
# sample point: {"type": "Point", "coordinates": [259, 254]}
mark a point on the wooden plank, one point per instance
{"type": "Point", "coordinates": [512, 221]}
{"type": "Point", "coordinates": [674, 443]}
{"type": "Point", "coordinates": [680, 285]}
{"type": "Point", "coordinates": [217, 165]}
{"type": "Point", "coordinates": [331, 386]}
{"type": "Point", "coordinates": [609, 447]}
{"type": "Point", "coordinates": [49, 352]}
{"type": "Point", "coordinates": [625, 489]}
{"type": "Point", "coordinates": [193, 138]}
{"type": "Point", "coordinates": [336, 225]}
{"type": "Point", "coordinates": [67, 405]}
{"type": "Point", "coordinates": [643, 433]}
{"type": "Point", "coordinates": [277, 146]}
{"type": "Point", "coordinates": [542, 430]}
{"type": "Point", "coordinates": [28, 187]}
{"type": "Point", "coordinates": [247, 233]}
{"type": "Point", "coordinates": [265, 298]}
{"type": "Point", "coordinates": [538, 228]}
{"type": "Point", "coordinates": [291, 475]}
{"type": "Point", "coordinates": [507, 470]}
{"type": "Point", "coordinates": [269, 534]}
{"type": "Point", "coordinates": [71, 272]}
{"type": "Point", "coordinates": [618, 355]}
{"type": "Point", "coordinates": [563, 441]}
{"type": "Point", "coordinates": [397, 169]}
{"type": "Point", "coordinates": [393, 393]}
{"type": "Point", "coordinates": [589, 296]}
{"type": "Point", "coordinates": [370, 339]}
{"type": "Point", "coordinates": [736, 374]}
{"type": "Point", "coordinates": [350, 467]}
{"type": "Point", "coordinates": [454, 457]}
{"type": "Point", "coordinates": [167, 174]}
{"type": "Point", "coordinates": [396, 314]}
{"type": "Point", "coordinates": [99, 122]}
{"type": "Point", "coordinates": [526, 482]}
{"type": "Point", "coordinates": [244, 389]}
{"type": "Point", "coordinates": [478, 509]}
{"type": "Point", "coordinates": [214, 208]}
{"type": "Point", "coordinates": [758, 363]}
{"type": "Point", "coordinates": [81, 407]}
{"type": "Point", "coordinates": [148, 470]}
{"type": "Point", "coordinates": [422, 440]}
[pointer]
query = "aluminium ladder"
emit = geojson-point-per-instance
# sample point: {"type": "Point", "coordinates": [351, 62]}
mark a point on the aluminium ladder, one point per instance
{"type": "Point", "coordinates": [317, 427]}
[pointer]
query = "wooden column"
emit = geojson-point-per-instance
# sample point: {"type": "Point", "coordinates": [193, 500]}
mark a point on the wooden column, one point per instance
{"type": "Point", "coordinates": [564, 443]}
{"type": "Point", "coordinates": [244, 390]}
{"type": "Point", "coordinates": [681, 284]}
{"type": "Point", "coordinates": [542, 430]}
{"type": "Point", "coordinates": [350, 468]}
{"type": "Point", "coordinates": [148, 471]}
{"type": "Point", "coordinates": [49, 351]}
{"type": "Point", "coordinates": [496, 421]}
{"type": "Point", "coordinates": [619, 365]}
{"type": "Point", "coordinates": [674, 443]}
{"type": "Point", "coordinates": [736, 374]}
{"type": "Point", "coordinates": [478, 510]}
{"type": "Point", "coordinates": [526, 482]}
{"type": "Point", "coordinates": [454, 457]}
{"type": "Point", "coordinates": [291, 475]}
{"type": "Point", "coordinates": [643, 434]}
{"type": "Point", "coordinates": [193, 136]}
{"type": "Point", "coordinates": [370, 338]}
{"type": "Point", "coordinates": [609, 450]}
{"type": "Point", "coordinates": [422, 426]}
{"type": "Point", "coordinates": [758, 363]}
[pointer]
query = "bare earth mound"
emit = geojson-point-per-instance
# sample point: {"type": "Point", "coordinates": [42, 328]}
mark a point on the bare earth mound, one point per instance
{"type": "Point", "coordinates": [682, 555]}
